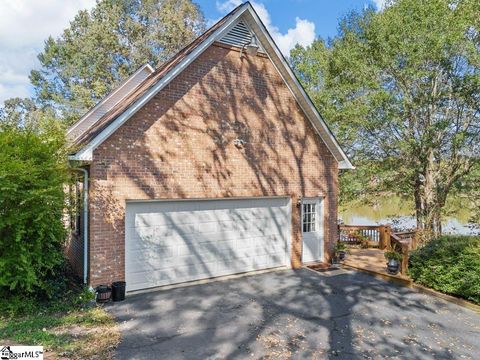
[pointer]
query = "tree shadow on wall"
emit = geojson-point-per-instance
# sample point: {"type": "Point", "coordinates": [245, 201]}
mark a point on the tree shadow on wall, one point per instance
{"type": "Point", "coordinates": [181, 145]}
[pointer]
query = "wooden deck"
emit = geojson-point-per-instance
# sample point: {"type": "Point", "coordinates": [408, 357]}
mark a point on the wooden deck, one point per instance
{"type": "Point", "coordinates": [373, 262]}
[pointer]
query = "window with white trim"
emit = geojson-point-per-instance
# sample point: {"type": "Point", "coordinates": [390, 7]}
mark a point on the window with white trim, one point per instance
{"type": "Point", "coordinates": [309, 220]}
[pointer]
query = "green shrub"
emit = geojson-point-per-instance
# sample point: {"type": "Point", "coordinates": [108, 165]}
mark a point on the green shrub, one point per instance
{"type": "Point", "coordinates": [340, 246]}
{"type": "Point", "coordinates": [450, 264]}
{"type": "Point", "coordinates": [393, 255]}
{"type": "Point", "coordinates": [74, 298]}
{"type": "Point", "coordinates": [33, 171]}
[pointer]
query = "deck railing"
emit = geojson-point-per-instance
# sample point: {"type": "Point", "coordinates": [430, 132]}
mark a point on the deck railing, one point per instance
{"type": "Point", "coordinates": [380, 236]}
{"type": "Point", "coordinates": [370, 235]}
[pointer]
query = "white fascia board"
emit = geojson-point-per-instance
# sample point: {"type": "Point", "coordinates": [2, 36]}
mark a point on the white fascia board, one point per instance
{"type": "Point", "coordinates": [86, 153]}
{"type": "Point", "coordinates": [83, 156]}
{"type": "Point", "coordinates": [146, 66]}
{"type": "Point", "coordinates": [345, 165]}
{"type": "Point", "coordinates": [344, 162]}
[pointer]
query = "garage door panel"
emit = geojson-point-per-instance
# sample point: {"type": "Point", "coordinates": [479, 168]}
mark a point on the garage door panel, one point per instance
{"type": "Point", "coordinates": [168, 242]}
{"type": "Point", "coordinates": [150, 233]}
{"type": "Point", "coordinates": [242, 265]}
{"type": "Point", "coordinates": [193, 249]}
{"type": "Point", "coordinates": [151, 263]}
{"type": "Point", "coordinates": [207, 263]}
{"type": "Point", "coordinates": [165, 218]}
{"type": "Point", "coordinates": [143, 251]}
{"type": "Point", "coordinates": [215, 215]}
{"type": "Point", "coordinates": [208, 227]}
{"type": "Point", "coordinates": [137, 242]}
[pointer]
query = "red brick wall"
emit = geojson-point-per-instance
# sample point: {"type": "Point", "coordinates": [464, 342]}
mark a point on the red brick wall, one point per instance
{"type": "Point", "coordinates": [180, 145]}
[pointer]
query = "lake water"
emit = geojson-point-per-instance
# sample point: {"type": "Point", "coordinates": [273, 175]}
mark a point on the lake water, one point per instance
{"type": "Point", "coordinates": [401, 215]}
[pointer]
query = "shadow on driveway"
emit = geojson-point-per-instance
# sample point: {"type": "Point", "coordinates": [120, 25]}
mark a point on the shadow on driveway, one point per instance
{"type": "Point", "coordinates": [295, 314]}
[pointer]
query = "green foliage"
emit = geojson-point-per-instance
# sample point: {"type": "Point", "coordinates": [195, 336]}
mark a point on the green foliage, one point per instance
{"type": "Point", "coordinates": [340, 246]}
{"type": "Point", "coordinates": [18, 112]}
{"type": "Point", "coordinates": [102, 47]}
{"type": "Point", "coordinates": [33, 171]}
{"type": "Point", "coordinates": [70, 298]}
{"type": "Point", "coordinates": [450, 264]}
{"type": "Point", "coordinates": [400, 88]}
{"type": "Point", "coordinates": [393, 255]}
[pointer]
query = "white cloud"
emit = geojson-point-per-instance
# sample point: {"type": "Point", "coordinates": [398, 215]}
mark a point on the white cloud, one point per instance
{"type": "Point", "coordinates": [303, 33]}
{"type": "Point", "coordinates": [24, 26]}
{"type": "Point", "coordinates": [380, 4]}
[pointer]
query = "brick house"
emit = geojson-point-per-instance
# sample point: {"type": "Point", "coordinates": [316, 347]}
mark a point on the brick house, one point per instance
{"type": "Point", "coordinates": [213, 164]}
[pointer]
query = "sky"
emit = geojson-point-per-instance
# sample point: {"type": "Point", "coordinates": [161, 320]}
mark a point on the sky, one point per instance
{"type": "Point", "coordinates": [26, 24]}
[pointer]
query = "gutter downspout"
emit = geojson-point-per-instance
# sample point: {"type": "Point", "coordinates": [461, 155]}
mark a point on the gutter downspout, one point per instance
{"type": "Point", "coordinates": [85, 222]}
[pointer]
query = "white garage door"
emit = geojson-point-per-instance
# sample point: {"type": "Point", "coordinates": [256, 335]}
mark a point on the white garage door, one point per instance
{"type": "Point", "coordinates": [168, 242]}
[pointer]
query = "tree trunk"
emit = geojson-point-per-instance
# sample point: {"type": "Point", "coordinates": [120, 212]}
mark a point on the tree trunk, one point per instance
{"type": "Point", "coordinates": [418, 203]}
{"type": "Point", "coordinates": [426, 204]}
{"type": "Point", "coordinates": [428, 207]}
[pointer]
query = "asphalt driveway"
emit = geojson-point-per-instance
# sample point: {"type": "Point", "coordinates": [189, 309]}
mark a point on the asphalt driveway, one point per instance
{"type": "Point", "coordinates": [295, 314]}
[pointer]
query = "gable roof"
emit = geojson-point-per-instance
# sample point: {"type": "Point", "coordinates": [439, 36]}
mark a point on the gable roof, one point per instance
{"type": "Point", "coordinates": [108, 102]}
{"type": "Point", "coordinates": [120, 113]}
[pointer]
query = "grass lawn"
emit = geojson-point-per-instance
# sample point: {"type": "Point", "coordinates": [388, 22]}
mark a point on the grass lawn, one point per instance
{"type": "Point", "coordinates": [66, 331]}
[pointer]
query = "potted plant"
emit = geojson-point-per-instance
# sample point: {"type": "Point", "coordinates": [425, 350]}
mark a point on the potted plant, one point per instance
{"type": "Point", "coordinates": [394, 258]}
{"type": "Point", "coordinates": [364, 241]}
{"type": "Point", "coordinates": [340, 250]}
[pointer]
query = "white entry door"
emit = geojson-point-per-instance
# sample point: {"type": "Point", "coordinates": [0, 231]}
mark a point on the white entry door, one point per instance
{"type": "Point", "coordinates": [312, 230]}
{"type": "Point", "coordinates": [168, 242]}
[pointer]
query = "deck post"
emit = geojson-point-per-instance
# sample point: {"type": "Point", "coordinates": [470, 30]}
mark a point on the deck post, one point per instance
{"type": "Point", "coordinates": [385, 242]}
{"type": "Point", "coordinates": [381, 230]}
{"type": "Point", "coordinates": [414, 242]}
{"type": "Point", "coordinates": [404, 259]}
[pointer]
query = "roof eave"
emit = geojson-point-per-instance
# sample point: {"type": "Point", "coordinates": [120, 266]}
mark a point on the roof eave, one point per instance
{"type": "Point", "coordinates": [345, 165]}
{"type": "Point", "coordinates": [81, 156]}
{"type": "Point", "coordinates": [105, 99]}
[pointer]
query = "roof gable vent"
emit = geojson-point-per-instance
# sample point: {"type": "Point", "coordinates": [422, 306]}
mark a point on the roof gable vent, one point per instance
{"type": "Point", "coordinates": [239, 35]}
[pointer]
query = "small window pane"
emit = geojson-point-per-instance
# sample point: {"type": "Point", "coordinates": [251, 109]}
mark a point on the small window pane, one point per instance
{"type": "Point", "coordinates": [309, 217]}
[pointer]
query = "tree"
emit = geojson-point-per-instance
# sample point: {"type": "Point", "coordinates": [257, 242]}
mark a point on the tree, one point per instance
{"type": "Point", "coordinates": [33, 171]}
{"type": "Point", "coordinates": [21, 113]}
{"type": "Point", "coordinates": [102, 47]}
{"type": "Point", "coordinates": [402, 89]}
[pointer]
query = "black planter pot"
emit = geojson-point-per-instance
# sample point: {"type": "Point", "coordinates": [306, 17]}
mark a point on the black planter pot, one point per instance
{"type": "Point", "coordinates": [104, 293]}
{"type": "Point", "coordinates": [393, 266]}
{"type": "Point", "coordinates": [342, 255]}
